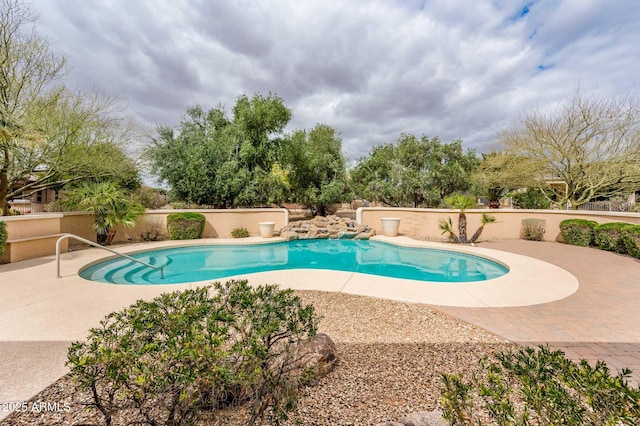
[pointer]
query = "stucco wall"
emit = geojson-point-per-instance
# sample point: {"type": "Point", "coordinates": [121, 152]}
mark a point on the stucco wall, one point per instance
{"type": "Point", "coordinates": [36, 235]}
{"type": "Point", "coordinates": [33, 225]}
{"type": "Point", "coordinates": [423, 223]}
{"type": "Point", "coordinates": [80, 224]}
{"type": "Point", "coordinates": [219, 222]}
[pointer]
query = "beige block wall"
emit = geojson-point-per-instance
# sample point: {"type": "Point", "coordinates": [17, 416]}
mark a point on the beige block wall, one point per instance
{"type": "Point", "coordinates": [423, 223]}
{"type": "Point", "coordinates": [31, 248]}
{"type": "Point", "coordinates": [31, 236]}
{"type": "Point", "coordinates": [219, 222]}
{"type": "Point", "coordinates": [29, 226]}
{"type": "Point", "coordinates": [80, 224]}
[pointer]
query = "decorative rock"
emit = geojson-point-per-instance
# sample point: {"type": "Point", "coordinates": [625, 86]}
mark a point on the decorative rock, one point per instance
{"type": "Point", "coordinates": [289, 235]}
{"type": "Point", "coordinates": [317, 354]}
{"type": "Point", "coordinates": [326, 227]}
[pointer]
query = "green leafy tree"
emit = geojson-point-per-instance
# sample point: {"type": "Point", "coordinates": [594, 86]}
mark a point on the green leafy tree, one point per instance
{"type": "Point", "coordinates": [414, 172]}
{"type": "Point", "coordinates": [225, 162]}
{"type": "Point", "coordinates": [592, 146]}
{"type": "Point", "coordinates": [111, 206]}
{"type": "Point", "coordinates": [316, 168]}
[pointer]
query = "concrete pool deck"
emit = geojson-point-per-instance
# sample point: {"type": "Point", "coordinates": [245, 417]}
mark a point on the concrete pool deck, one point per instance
{"type": "Point", "coordinates": [41, 314]}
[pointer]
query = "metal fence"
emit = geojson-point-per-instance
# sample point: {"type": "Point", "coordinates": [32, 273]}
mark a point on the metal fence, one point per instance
{"type": "Point", "coordinates": [608, 206]}
{"type": "Point", "coordinates": [26, 207]}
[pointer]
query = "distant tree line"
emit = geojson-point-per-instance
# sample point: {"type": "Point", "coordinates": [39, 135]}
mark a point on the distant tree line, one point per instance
{"type": "Point", "coordinates": [591, 147]}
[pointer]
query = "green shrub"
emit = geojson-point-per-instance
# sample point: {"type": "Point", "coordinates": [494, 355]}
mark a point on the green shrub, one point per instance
{"type": "Point", "coordinates": [240, 233]}
{"type": "Point", "coordinates": [188, 354]}
{"type": "Point", "coordinates": [578, 232]}
{"type": "Point", "coordinates": [631, 239]}
{"type": "Point", "coordinates": [532, 198]}
{"type": "Point", "coordinates": [608, 236]}
{"type": "Point", "coordinates": [4, 235]}
{"type": "Point", "coordinates": [533, 229]}
{"type": "Point", "coordinates": [540, 387]}
{"type": "Point", "coordinates": [185, 226]}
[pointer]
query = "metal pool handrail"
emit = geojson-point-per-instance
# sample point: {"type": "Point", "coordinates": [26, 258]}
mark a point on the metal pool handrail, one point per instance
{"type": "Point", "coordinates": [91, 243]}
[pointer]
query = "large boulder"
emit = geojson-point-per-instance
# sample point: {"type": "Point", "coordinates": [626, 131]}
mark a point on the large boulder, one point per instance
{"type": "Point", "coordinates": [317, 355]}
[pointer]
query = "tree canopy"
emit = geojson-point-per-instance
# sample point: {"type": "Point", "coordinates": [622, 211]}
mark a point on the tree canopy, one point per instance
{"type": "Point", "coordinates": [416, 172]}
{"type": "Point", "coordinates": [316, 169]}
{"type": "Point", "coordinates": [224, 161]}
{"type": "Point", "coordinates": [590, 146]}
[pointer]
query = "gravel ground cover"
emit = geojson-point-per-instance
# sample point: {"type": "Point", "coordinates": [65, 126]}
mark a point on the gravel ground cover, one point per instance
{"type": "Point", "coordinates": [390, 356]}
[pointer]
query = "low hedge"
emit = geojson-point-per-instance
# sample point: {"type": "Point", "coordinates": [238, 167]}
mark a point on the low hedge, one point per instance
{"type": "Point", "coordinates": [185, 226]}
{"type": "Point", "coordinates": [578, 232]}
{"type": "Point", "coordinates": [4, 236]}
{"type": "Point", "coordinates": [631, 240]}
{"type": "Point", "coordinates": [608, 236]}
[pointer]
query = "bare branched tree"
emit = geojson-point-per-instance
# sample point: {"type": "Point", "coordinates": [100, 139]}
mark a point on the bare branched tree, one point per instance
{"type": "Point", "coordinates": [591, 145]}
{"type": "Point", "coordinates": [27, 70]}
{"type": "Point", "coordinates": [49, 135]}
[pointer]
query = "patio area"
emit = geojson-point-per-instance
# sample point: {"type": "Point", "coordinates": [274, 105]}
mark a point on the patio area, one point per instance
{"type": "Point", "coordinates": [41, 315]}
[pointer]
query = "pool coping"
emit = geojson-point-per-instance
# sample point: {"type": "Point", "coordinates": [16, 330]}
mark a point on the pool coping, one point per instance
{"type": "Point", "coordinates": [529, 281]}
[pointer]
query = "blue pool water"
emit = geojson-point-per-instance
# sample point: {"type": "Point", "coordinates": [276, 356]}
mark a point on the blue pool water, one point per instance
{"type": "Point", "coordinates": [199, 263]}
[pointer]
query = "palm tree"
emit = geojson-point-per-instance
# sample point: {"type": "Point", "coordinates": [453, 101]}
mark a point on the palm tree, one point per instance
{"type": "Point", "coordinates": [463, 202]}
{"type": "Point", "coordinates": [485, 219]}
{"type": "Point", "coordinates": [110, 205]}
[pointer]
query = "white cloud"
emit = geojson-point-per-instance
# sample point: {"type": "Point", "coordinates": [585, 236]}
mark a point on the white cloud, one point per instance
{"type": "Point", "coordinates": [454, 69]}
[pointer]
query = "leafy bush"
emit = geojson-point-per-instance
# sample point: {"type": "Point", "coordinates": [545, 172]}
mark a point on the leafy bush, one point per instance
{"type": "Point", "coordinates": [240, 233]}
{"type": "Point", "coordinates": [578, 232]}
{"type": "Point", "coordinates": [532, 198]}
{"type": "Point", "coordinates": [608, 236]}
{"type": "Point", "coordinates": [4, 235]}
{"type": "Point", "coordinates": [186, 354]}
{"type": "Point", "coordinates": [540, 387]}
{"type": "Point", "coordinates": [533, 229]}
{"type": "Point", "coordinates": [631, 239]}
{"type": "Point", "coordinates": [185, 226]}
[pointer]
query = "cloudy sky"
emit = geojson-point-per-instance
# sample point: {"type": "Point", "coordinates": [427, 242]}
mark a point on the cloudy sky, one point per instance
{"type": "Point", "coordinates": [457, 69]}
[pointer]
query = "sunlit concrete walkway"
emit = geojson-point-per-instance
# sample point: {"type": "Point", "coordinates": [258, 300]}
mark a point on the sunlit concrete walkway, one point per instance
{"type": "Point", "coordinates": [41, 315]}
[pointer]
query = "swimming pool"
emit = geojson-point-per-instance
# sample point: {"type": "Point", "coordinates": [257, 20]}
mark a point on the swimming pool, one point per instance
{"type": "Point", "coordinates": [207, 262]}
